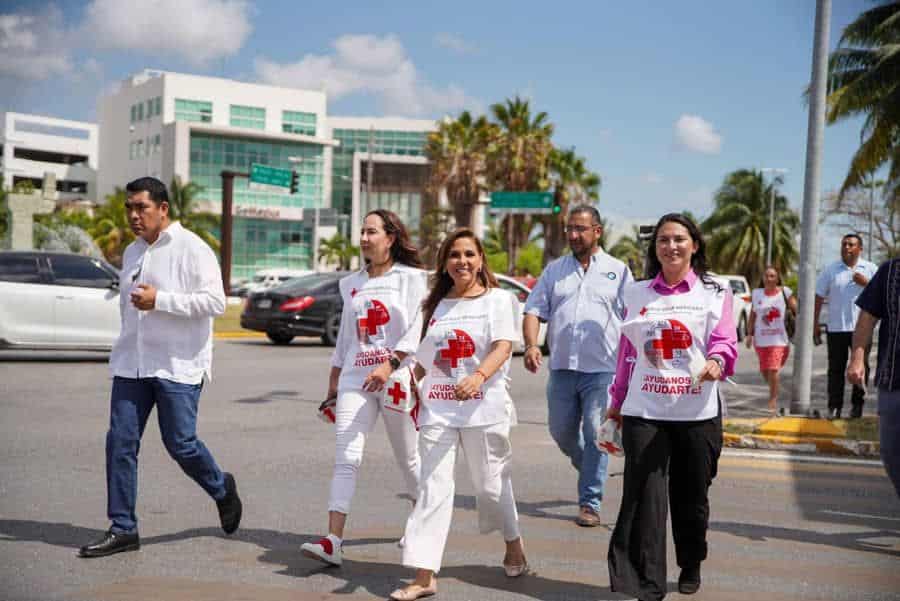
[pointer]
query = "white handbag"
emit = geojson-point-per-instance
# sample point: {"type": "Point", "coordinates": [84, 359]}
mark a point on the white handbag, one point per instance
{"type": "Point", "coordinates": [400, 392]}
{"type": "Point", "coordinates": [609, 438]}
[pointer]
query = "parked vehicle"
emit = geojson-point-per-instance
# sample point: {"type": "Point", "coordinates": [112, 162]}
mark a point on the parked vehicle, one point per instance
{"type": "Point", "coordinates": [521, 292]}
{"type": "Point", "coordinates": [309, 305]}
{"type": "Point", "coordinates": [54, 300]}
{"type": "Point", "coordinates": [741, 290]}
{"type": "Point", "coordinates": [266, 279]}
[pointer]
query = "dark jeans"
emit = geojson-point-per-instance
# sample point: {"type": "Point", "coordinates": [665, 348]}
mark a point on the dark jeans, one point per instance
{"type": "Point", "coordinates": [889, 431]}
{"type": "Point", "coordinates": [674, 459]}
{"type": "Point", "coordinates": [176, 408]}
{"type": "Point", "coordinates": [838, 353]}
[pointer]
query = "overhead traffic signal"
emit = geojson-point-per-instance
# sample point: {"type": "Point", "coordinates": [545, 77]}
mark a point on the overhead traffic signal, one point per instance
{"type": "Point", "coordinates": [557, 207]}
{"type": "Point", "coordinates": [295, 181]}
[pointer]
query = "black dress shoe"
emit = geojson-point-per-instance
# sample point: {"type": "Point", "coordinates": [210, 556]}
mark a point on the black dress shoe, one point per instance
{"type": "Point", "coordinates": [856, 412]}
{"type": "Point", "coordinates": [112, 542]}
{"type": "Point", "coordinates": [230, 507]}
{"type": "Point", "coordinates": [689, 580]}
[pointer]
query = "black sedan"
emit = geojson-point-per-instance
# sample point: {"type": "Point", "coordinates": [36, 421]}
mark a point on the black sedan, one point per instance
{"type": "Point", "coordinates": [306, 306]}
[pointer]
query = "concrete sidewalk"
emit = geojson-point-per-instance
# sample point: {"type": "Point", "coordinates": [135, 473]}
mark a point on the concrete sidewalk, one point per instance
{"type": "Point", "coordinates": [856, 438]}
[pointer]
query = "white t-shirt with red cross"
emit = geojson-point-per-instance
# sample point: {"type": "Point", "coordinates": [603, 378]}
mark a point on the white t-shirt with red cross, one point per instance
{"type": "Point", "coordinates": [459, 337]}
{"type": "Point", "coordinates": [670, 334]}
{"type": "Point", "coordinates": [381, 315]}
{"type": "Point", "coordinates": [769, 329]}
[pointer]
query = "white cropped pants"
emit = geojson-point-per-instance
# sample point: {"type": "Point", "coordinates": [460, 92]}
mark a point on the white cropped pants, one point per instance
{"type": "Point", "coordinates": [355, 416]}
{"type": "Point", "coordinates": [488, 455]}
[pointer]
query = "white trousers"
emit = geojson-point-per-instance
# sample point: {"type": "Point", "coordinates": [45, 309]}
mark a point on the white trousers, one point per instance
{"type": "Point", "coordinates": [355, 415]}
{"type": "Point", "coordinates": [488, 455]}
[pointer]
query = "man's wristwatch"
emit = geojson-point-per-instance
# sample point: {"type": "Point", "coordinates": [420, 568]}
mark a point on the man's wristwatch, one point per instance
{"type": "Point", "coordinates": [394, 360]}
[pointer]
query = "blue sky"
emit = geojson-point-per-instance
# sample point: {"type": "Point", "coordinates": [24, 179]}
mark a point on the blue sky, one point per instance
{"type": "Point", "coordinates": [662, 98]}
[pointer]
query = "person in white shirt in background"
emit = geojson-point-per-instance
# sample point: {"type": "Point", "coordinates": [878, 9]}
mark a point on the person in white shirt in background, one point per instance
{"type": "Point", "coordinates": [380, 327]}
{"type": "Point", "coordinates": [463, 363]}
{"type": "Point", "coordinates": [840, 284]}
{"type": "Point", "coordinates": [170, 290]}
{"type": "Point", "coordinates": [767, 331]}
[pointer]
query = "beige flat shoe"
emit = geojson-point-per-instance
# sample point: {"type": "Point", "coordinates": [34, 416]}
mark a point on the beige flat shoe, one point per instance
{"type": "Point", "coordinates": [515, 571]}
{"type": "Point", "coordinates": [412, 592]}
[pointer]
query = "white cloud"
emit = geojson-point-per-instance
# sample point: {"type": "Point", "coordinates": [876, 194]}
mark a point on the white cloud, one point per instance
{"type": "Point", "coordinates": [197, 30]}
{"type": "Point", "coordinates": [367, 64]}
{"type": "Point", "coordinates": [34, 46]}
{"type": "Point", "coordinates": [652, 178]}
{"type": "Point", "coordinates": [454, 43]}
{"type": "Point", "coordinates": [692, 132]}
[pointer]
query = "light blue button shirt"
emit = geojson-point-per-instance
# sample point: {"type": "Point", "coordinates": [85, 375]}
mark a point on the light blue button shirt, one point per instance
{"type": "Point", "coordinates": [836, 285]}
{"type": "Point", "coordinates": [584, 311]}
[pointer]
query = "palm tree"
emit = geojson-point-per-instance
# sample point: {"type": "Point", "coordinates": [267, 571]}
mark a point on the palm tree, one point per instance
{"type": "Point", "coordinates": [110, 229]}
{"type": "Point", "coordinates": [519, 161]}
{"type": "Point", "coordinates": [458, 152]}
{"type": "Point", "coordinates": [738, 228]}
{"type": "Point", "coordinates": [630, 250]}
{"type": "Point", "coordinates": [572, 183]}
{"type": "Point", "coordinates": [182, 208]}
{"type": "Point", "coordinates": [338, 249]}
{"type": "Point", "coordinates": [864, 80]}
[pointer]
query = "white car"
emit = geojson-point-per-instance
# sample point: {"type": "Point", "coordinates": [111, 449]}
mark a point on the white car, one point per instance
{"type": "Point", "coordinates": [521, 292]}
{"type": "Point", "coordinates": [266, 279]}
{"type": "Point", "coordinates": [52, 300]}
{"type": "Point", "coordinates": [741, 290]}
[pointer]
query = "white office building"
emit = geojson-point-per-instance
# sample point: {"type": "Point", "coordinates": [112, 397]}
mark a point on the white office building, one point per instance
{"type": "Point", "coordinates": [32, 145]}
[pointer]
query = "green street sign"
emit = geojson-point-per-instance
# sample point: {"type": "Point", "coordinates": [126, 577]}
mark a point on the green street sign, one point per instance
{"type": "Point", "coordinates": [522, 202]}
{"type": "Point", "coordinates": [273, 179]}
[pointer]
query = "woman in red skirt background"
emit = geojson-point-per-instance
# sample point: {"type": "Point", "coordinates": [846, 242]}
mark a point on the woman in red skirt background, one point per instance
{"type": "Point", "coordinates": [767, 331]}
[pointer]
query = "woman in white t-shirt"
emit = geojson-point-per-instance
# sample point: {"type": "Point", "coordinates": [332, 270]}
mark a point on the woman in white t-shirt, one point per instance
{"type": "Point", "coordinates": [380, 327]}
{"type": "Point", "coordinates": [767, 331]}
{"type": "Point", "coordinates": [463, 363]}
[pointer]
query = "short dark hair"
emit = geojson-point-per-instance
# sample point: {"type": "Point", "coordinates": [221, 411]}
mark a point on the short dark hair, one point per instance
{"type": "Point", "coordinates": [155, 188]}
{"type": "Point", "coordinates": [853, 235]}
{"type": "Point", "coordinates": [592, 211]}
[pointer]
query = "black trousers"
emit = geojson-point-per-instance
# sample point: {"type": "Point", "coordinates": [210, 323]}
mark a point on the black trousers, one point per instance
{"type": "Point", "coordinates": [839, 344]}
{"type": "Point", "coordinates": [662, 458]}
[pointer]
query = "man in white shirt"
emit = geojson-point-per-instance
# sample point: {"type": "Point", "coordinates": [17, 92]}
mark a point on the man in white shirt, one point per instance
{"type": "Point", "coordinates": [581, 296]}
{"type": "Point", "coordinates": [170, 290]}
{"type": "Point", "coordinates": [840, 284]}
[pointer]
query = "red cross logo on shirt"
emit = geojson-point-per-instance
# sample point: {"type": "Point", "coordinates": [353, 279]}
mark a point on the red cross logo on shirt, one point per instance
{"type": "Point", "coordinates": [396, 393]}
{"type": "Point", "coordinates": [771, 315]}
{"type": "Point", "coordinates": [673, 338]}
{"type": "Point", "coordinates": [374, 315]}
{"type": "Point", "coordinates": [610, 447]}
{"type": "Point", "coordinates": [459, 345]}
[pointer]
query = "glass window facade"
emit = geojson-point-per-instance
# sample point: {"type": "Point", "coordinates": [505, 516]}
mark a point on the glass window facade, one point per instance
{"type": "Point", "coordinates": [198, 111]}
{"type": "Point", "coordinates": [248, 116]}
{"type": "Point", "coordinates": [261, 243]}
{"type": "Point", "coordinates": [408, 143]}
{"type": "Point", "coordinates": [297, 122]}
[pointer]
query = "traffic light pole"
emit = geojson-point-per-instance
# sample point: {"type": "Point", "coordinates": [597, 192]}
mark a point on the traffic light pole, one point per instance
{"type": "Point", "coordinates": [228, 224]}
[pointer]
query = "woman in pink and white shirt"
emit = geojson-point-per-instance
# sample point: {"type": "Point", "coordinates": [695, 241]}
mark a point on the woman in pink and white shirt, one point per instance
{"type": "Point", "coordinates": [767, 331]}
{"type": "Point", "coordinates": [678, 343]}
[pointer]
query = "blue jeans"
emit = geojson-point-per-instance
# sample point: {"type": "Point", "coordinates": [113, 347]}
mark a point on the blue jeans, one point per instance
{"type": "Point", "coordinates": [576, 403]}
{"type": "Point", "coordinates": [176, 408]}
{"type": "Point", "coordinates": [889, 427]}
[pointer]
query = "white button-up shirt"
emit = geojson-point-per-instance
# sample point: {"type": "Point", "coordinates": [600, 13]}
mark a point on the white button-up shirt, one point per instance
{"type": "Point", "coordinates": [584, 309]}
{"type": "Point", "coordinates": [174, 339]}
{"type": "Point", "coordinates": [836, 285]}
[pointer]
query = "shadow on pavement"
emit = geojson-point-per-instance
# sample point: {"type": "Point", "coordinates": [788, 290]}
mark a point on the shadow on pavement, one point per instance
{"type": "Point", "coordinates": [53, 357]}
{"type": "Point", "coordinates": [282, 549]}
{"type": "Point", "coordinates": [844, 540]}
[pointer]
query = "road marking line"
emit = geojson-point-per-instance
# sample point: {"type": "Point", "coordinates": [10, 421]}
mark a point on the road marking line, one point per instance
{"type": "Point", "coordinates": [861, 515]}
{"type": "Point", "coordinates": [774, 456]}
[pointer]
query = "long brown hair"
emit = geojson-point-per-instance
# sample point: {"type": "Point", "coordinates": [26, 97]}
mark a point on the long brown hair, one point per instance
{"type": "Point", "coordinates": [402, 250]}
{"type": "Point", "coordinates": [440, 282]}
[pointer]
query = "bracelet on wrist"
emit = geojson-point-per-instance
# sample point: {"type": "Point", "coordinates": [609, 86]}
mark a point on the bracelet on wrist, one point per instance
{"type": "Point", "coordinates": [484, 377]}
{"type": "Point", "coordinates": [528, 346]}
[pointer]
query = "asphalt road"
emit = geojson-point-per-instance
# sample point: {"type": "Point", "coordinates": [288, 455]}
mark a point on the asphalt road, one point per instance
{"type": "Point", "coordinates": [781, 528]}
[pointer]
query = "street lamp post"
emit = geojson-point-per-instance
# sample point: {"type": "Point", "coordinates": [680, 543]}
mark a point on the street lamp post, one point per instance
{"type": "Point", "coordinates": [771, 209]}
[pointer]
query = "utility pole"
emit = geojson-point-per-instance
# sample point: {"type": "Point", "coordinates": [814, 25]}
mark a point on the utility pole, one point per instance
{"type": "Point", "coordinates": [370, 169]}
{"type": "Point", "coordinates": [800, 399]}
{"type": "Point", "coordinates": [771, 209]}
{"type": "Point", "coordinates": [227, 224]}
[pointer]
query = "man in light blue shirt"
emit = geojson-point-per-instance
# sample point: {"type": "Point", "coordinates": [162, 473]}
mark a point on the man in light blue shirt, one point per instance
{"type": "Point", "coordinates": [581, 296]}
{"type": "Point", "coordinates": [840, 283]}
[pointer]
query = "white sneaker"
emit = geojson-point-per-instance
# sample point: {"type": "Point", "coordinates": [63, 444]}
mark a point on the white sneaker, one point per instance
{"type": "Point", "coordinates": [324, 550]}
{"type": "Point", "coordinates": [402, 542]}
